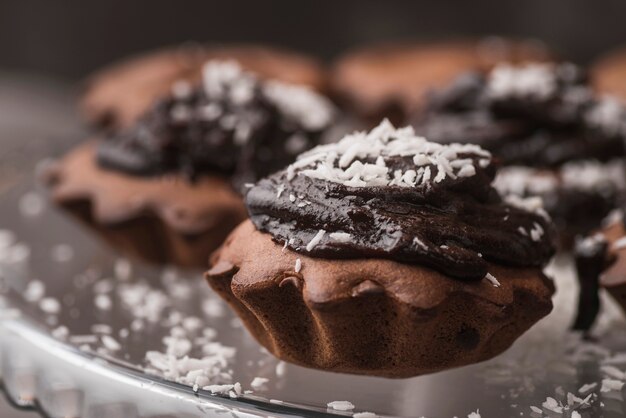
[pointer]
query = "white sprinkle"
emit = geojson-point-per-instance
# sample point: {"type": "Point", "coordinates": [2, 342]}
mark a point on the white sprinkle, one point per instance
{"type": "Point", "coordinates": [341, 405]}
{"type": "Point", "coordinates": [35, 290]}
{"type": "Point", "coordinates": [492, 280]}
{"type": "Point", "coordinates": [342, 237]}
{"type": "Point", "coordinates": [292, 198]}
{"type": "Point", "coordinates": [31, 204]}
{"type": "Point", "coordinates": [101, 329]}
{"type": "Point", "coordinates": [587, 387]}
{"type": "Point", "coordinates": [609, 385]}
{"type": "Point", "coordinates": [258, 382]}
{"type": "Point", "coordinates": [474, 414]}
{"type": "Point", "coordinates": [536, 410]}
{"type": "Point", "coordinates": [50, 306]}
{"type": "Point", "coordinates": [613, 372]}
{"type": "Point", "coordinates": [60, 333]}
{"type": "Point", "coordinates": [281, 368]}
{"type": "Point", "coordinates": [192, 323]}
{"type": "Point", "coordinates": [531, 80]}
{"type": "Point", "coordinates": [619, 244]}
{"type": "Point", "coordinates": [420, 244]}
{"type": "Point", "coordinates": [220, 389]}
{"type": "Point", "coordinates": [279, 190]}
{"type": "Point", "coordinates": [103, 302]}
{"type": "Point", "coordinates": [316, 240]}
{"type": "Point", "coordinates": [345, 162]}
{"type": "Point", "coordinates": [110, 343]}
{"type": "Point", "coordinates": [298, 265]}
{"type": "Point", "coordinates": [552, 405]}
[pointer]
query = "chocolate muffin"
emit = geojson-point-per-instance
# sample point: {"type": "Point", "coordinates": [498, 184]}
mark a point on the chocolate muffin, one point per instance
{"type": "Point", "coordinates": [542, 116]}
{"type": "Point", "coordinates": [118, 95]}
{"type": "Point", "coordinates": [601, 263]}
{"type": "Point", "coordinates": [166, 189]}
{"type": "Point", "coordinates": [609, 73]}
{"type": "Point", "coordinates": [388, 255]}
{"type": "Point", "coordinates": [390, 80]}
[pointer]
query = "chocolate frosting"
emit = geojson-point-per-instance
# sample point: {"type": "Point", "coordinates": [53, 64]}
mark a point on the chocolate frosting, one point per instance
{"type": "Point", "coordinates": [390, 194]}
{"type": "Point", "coordinates": [536, 115]}
{"type": "Point", "coordinates": [232, 124]}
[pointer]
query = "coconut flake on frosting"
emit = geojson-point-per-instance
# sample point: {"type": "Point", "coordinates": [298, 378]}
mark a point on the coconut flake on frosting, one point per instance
{"type": "Point", "coordinates": [227, 80]}
{"type": "Point", "coordinates": [532, 80]}
{"type": "Point", "coordinates": [348, 161]}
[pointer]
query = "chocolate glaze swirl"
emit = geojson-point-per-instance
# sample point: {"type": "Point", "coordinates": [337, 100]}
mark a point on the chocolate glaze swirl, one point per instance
{"type": "Point", "coordinates": [455, 225]}
{"type": "Point", "coordinates": [232, 124]}
{"type": "Point", "coordinates": [535, 115]}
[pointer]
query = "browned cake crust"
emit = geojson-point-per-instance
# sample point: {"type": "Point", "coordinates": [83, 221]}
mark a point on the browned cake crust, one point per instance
{"type": "Point", "coordinates": [609, 73]}
{"type": "Point", "coordinates": [389, 80]}
{"type": "Point", "coordinates": [372, 316]}
{"type": "Point", "coordinates": [162, 219]}
{"type": "Point", "coordinates": [117, 95]}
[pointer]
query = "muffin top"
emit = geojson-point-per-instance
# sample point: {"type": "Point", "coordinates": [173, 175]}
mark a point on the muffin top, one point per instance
{"type": "Point", "coordinates": [392, 194]}
{"type": "Point", "coordinates": [535, 114]}
{"type": "Point", "coordinates": [233, 124]}
{"type": "Point", "coordinates": [381, 77]}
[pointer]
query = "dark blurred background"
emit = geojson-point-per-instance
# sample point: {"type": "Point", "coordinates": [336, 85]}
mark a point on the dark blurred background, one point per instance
{"type": "Point", "coordinates": [69, 38]}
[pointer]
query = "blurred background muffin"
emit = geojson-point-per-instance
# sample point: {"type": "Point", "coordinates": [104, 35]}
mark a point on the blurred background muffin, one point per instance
{"type": "Point", "coordinates": [117, 95]}
{"type": "Point", "coordinates": [609, 73]}
{"type": "Point", "coordinates": [392, 80]}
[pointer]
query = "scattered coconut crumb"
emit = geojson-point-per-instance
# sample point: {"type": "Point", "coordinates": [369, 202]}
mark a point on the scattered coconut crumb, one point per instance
{"type": "Point", "coordinates": [258, 382]}
{"type": "Point", "coordinates": [587, 387]}
{"type": "Point", "coordinates": [281, 368]}
{"type": "Point", "coordinates": [50, 306]}
{"type": "Point", "coordinates": [110, 343]}
{"type": "Point", "coordinates": [61, 333]}
{"type": "Point", "coordinates": [619, 244]}
{"type": "Point", "coordinates": [298, 265]}
{"type": "Point", "coordinates": [103, 302]}
{"type": "Point", "coordinates": [35, 291]}
{"type": "Point", "coordinates": [341, 405]}
{"type": "Point", "coordinates": [552, 404]}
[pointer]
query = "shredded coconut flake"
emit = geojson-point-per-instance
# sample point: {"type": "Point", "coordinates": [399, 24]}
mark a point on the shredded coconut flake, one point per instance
{"type": "Point", "coordinates": [609, 385]}
{"type": "Point", "coordinates": [342, 237]}
{"type": "Point", "coordinates": [316, 240]}
{"type": "Point", "coordinates": [620, 244]}
{"type": "Point", "coordinates": [532, 80]}
{"type": "Point", "coordinates": [341, 405]}
{"type": "Point", "coordinates": [298, 265]}
{"type": "Point", "coordinates": [347, 161]}
{"type": "Point", "coordinates": [492, 280]}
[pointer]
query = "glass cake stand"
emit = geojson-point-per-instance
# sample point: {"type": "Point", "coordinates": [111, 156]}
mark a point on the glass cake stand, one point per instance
{"type": "Point", "coordinates": [86, 333]}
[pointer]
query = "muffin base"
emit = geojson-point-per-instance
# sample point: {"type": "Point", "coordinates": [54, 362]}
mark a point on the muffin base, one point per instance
{"type": "Point", "coordinates": [156, 219]}
{"type": "Point", "coordinates": [373, 317]}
